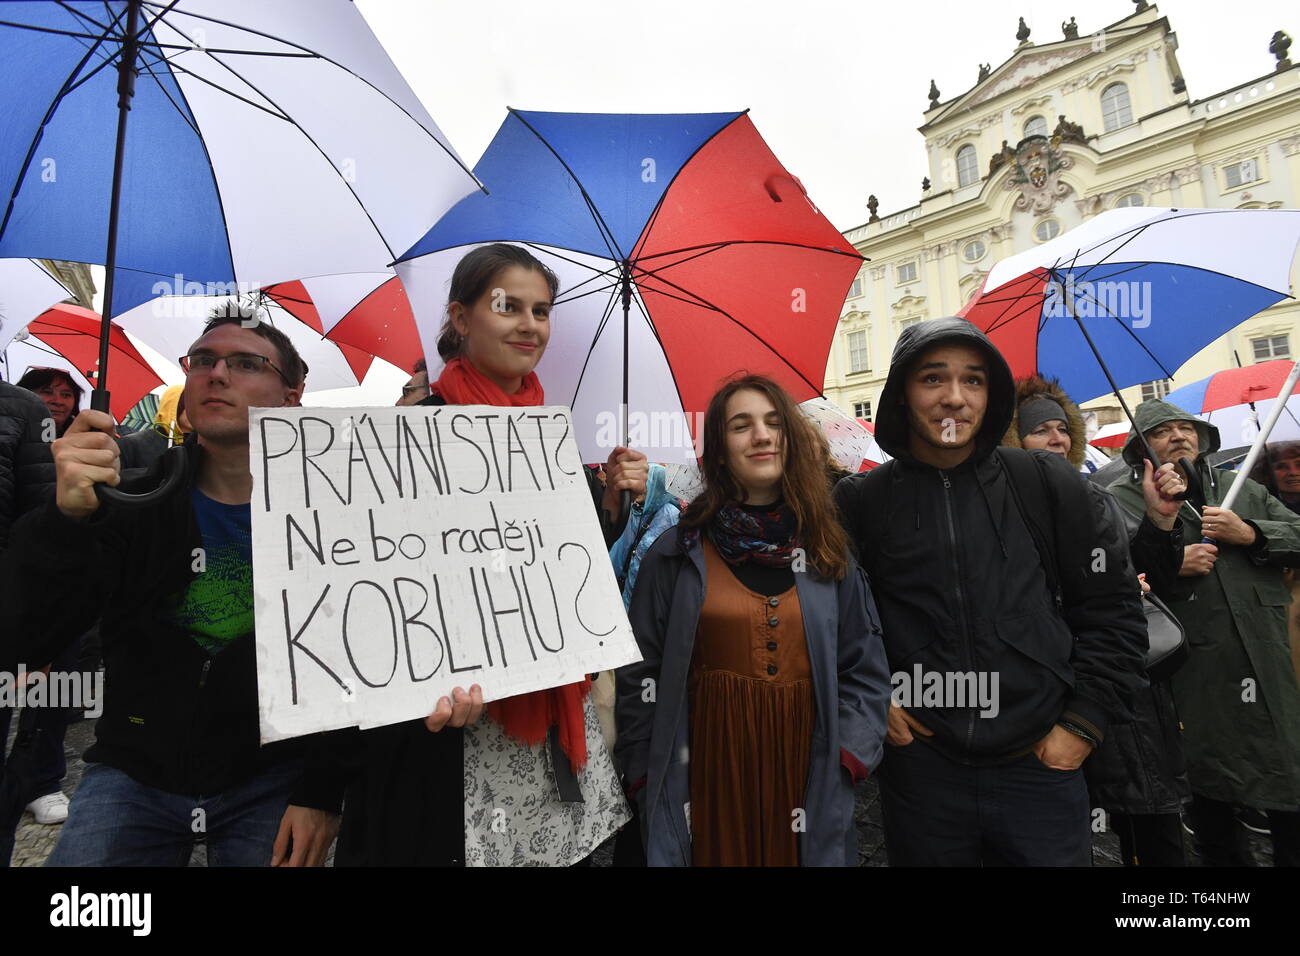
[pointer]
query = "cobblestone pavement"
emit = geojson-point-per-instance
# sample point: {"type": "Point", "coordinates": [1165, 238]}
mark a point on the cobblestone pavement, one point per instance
{"type": "Point", "coordinates": [35, 842]}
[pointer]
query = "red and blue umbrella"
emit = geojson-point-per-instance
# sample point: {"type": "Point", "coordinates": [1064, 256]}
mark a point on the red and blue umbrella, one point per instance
{"type": "Point", "coordinates": [688, 226]}
{"type": "Point", "coordinates": [1236, 400]}
{"type": "Point", "coordinates": [1141, 289]}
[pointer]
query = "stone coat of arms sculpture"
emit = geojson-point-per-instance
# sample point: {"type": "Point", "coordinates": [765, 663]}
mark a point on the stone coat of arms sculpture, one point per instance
{"type": "Point", "coordinates": [1036, 171]}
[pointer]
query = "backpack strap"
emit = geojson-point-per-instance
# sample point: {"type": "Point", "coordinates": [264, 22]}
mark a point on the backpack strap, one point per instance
{"type": "Point", "coordinates": [871, 503]}
{"type": "Point", "coordinates": [1034, 500]}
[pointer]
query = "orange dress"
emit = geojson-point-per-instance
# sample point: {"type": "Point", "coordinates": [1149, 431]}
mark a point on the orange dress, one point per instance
{"type": "Point", "coordinates": [752, 714]}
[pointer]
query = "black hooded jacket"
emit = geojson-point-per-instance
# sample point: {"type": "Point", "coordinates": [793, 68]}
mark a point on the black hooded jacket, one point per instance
{"type": "Point", "coordinates": [960, 584]}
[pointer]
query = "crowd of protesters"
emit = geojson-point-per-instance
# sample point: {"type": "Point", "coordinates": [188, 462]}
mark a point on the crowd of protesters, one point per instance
{"type": "Point", "coordinates": [1013, 651]}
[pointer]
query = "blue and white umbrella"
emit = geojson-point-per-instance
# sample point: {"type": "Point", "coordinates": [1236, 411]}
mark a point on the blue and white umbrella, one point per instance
{"type": "Point", "coordinates": [211, 146]}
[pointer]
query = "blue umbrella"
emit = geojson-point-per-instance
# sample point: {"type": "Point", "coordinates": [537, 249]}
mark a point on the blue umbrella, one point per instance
{"type": "Point", "coordinates": [189, 153]}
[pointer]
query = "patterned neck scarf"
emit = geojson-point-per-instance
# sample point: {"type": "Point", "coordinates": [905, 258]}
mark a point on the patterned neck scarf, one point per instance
{"type": "Point", "coordinates": [765, 536]}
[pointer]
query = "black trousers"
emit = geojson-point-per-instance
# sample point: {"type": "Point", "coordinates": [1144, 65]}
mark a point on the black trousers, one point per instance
{"type": "Point", "coordinates": [938, 812]}
{"type": "Point", "coordinates": [1150, 839]}
{"type": "Point", "coordinates": [1222, 843]}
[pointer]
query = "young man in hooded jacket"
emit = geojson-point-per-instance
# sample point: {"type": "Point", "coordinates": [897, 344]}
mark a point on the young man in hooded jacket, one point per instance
{"type": "Point", "coordinates": [1007, 671]}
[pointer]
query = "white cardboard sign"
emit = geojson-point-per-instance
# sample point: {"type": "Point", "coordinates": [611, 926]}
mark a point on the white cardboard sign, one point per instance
{"type": "Point", "coordinates": [401, 552]}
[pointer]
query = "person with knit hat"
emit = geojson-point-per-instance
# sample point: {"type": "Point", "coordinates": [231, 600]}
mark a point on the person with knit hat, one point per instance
{"type": "Point", "coordinates": [1138, 774]}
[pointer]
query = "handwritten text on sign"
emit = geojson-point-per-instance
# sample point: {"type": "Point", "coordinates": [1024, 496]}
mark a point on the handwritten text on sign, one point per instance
{"type": "Point", "coordinates": [401, 552]}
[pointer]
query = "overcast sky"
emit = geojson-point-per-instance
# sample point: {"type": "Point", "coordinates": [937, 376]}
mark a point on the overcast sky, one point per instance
{"type": "Point", "coordinates": [836, 87]}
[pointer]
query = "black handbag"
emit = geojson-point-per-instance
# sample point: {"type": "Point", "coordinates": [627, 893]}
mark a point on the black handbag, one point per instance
{"type": "Point", "coordinates": [1166, 640]}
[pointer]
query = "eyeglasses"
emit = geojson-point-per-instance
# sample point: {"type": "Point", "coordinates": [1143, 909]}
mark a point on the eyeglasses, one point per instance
{"type": "Point", "coordinates": [412, 389]}
{"type": "Point", "coordinates": [239, 363]}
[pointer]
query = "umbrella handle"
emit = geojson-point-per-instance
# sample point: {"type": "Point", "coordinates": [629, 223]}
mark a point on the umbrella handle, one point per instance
{"type": "Point", "coordinates": [175, 467]}
{"type": "Point", "coordinates": [1193, 482]}
{"type": "Point", "coordinates": [610, 522]}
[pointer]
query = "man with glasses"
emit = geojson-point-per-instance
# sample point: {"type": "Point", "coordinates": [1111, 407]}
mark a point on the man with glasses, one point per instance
{"type": "Point", "coordinates": [416, 388]}
{"type": "Point", "coordinates": [176, 756]}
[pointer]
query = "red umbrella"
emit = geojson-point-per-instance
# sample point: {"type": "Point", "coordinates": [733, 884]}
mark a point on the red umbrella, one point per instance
{"type": "Point", "coordinates": [73, 332]}
{"type": "Point", "coordinates": [380, 325]}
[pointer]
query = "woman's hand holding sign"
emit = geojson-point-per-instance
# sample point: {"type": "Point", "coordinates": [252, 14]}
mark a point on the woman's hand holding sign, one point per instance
{"type": "Point", "coordinates": [86, 455]}
{"type": "Point", "coordinates": [465, 707]}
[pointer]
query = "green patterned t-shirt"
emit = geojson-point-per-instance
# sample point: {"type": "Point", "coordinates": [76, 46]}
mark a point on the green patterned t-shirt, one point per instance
{"type": "Point", "coordinates": [217, 607]}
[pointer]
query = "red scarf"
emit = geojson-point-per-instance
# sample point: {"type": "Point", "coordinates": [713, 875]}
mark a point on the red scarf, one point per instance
{"type": "Point", "coordinates": [528, 717]}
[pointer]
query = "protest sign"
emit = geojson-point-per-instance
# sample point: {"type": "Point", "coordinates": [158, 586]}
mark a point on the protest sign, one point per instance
{"type": "Point", "coordinates": [401, 552]}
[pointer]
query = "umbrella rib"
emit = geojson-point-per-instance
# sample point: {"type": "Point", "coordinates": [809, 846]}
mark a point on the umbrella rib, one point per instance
{"type": "Point", "coordinates": [174, 66]}
{"type": "Point", "coordinates": [654, 214]}
{"type": "Point", "coordinates": [681, 399]}
{"type": "Point", "coordinates": [315, 55]}
{"type": "Point", "coordinates": [1159, 364]}
{"type": "Point", "coordinates": [607, 235]}
{"type": "Point", "coordinates": [758, 338]}
{"type": "Point", "coordinates": [40, 132]}
{"type": "Point", "coordinates": [148, 68]}
{"type": "Point", "coordinates": [600, 328]}
{"type": "Point", "coordinates": [755, 242]}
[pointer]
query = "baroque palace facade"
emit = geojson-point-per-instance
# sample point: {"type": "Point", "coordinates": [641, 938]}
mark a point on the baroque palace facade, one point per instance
{"type": "Point", "coordinates": [1058, 133]}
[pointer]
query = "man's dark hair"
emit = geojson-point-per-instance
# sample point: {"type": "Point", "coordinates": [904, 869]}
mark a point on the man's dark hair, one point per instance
{"type": "Point", "coordinates": [247, 317]}
{"type": "Point", "coordinates": [420, 366]}
{"type": "Point", "coordinates": [37, 378]}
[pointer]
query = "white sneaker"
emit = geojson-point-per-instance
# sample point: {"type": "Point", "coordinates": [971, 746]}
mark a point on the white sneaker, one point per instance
{"type": "Point", "coordinates": [51, 808]}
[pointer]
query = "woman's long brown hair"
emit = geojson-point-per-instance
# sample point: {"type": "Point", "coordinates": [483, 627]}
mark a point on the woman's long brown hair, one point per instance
{"type": "Point", "coordinates": [804, 484]}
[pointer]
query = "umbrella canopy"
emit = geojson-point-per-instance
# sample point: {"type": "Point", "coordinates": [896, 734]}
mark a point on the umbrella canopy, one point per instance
{"type": "Point", "coordinates": [72, 333]}
{"type": "Point", "coordinates": [1111, 436]}
{"type": "Point", "coordinates": [365, 314]}
{"type": "Point", "coordinates": [1148, 288]}
{"type": "Point", "coordinates": [26, 290]}
{"type": "Point", "coordinates": [725, 264]}
{"type": "Point", "coordinates": [1234, 386]}
{"type": "Point", "coordinates": [170, 324]}
{"type": "Point", "coordinates": [266, 141]}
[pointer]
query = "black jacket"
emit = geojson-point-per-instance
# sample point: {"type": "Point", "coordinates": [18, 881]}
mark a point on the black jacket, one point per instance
{"type": "Point", "coordinates": [1140, 768]}
{"type": "Point", "coordinates": [175, 717]}
{"type": "Point", "coordinates": [22, 452]}
{"type": "Point", "coordinates": [960, 584]}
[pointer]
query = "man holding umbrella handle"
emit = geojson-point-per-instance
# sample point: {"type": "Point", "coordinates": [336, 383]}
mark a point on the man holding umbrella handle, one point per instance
{"type": "Point", "coordinates": [177, 755]}
{"type": "Point", "coordinates": [1237, 696]}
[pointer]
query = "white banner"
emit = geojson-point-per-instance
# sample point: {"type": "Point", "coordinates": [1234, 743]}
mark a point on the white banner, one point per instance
{"type": "Point", "coordinates": [401, 552]}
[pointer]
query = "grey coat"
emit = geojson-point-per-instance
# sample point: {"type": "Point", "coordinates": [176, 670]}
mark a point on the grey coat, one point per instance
{"type": "Point", "coordinates": [851, 687]}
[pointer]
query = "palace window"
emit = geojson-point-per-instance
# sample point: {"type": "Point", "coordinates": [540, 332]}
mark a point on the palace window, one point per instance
{"type": "Point", "coordinates": [858, 352]}
{"type": "Point", "coordinates": [1271, 347]}
{"type": "Point", "coordinates": [1238, 174]}
{"type": "Point", "coordinates": [1116, 112]}
{"type": "Point", "coordinates": [1036, 126]}
{"type": "Point", "coordinates": [855, 290]}
{"type": "Point", "coordinates": [973, 251]}
{"type": "Point", "coordinates": [862, 410]}
{"type": "Point", "coordinates": [1157, 389]}
{"type": "Point", "coordinates": [968, 168]}
{"type": "Point", "coordinates": [905, 272]}
{"type": "Point", "coordinates": [1047, 229]}
{"type": "Point", "coordinates": [1132, 199]}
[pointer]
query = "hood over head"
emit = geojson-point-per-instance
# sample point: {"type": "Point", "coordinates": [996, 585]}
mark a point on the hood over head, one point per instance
{"type": "Point", "coordinates": [892, 425]}
{"type": "Point", "coordinates": [1156, 412]}
{"type": "Point", "coordinates": [1034, 389]}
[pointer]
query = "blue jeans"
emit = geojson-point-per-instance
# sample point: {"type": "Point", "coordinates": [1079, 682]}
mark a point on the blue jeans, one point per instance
{"type": "Point", "coordinates": [115, 821]}
{"type": "Point", "coordinates": [938, 812]}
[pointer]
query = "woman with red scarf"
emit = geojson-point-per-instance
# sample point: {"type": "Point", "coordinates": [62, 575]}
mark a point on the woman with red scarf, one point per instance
{"type": "Point", "coordinates": [532, 783]}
